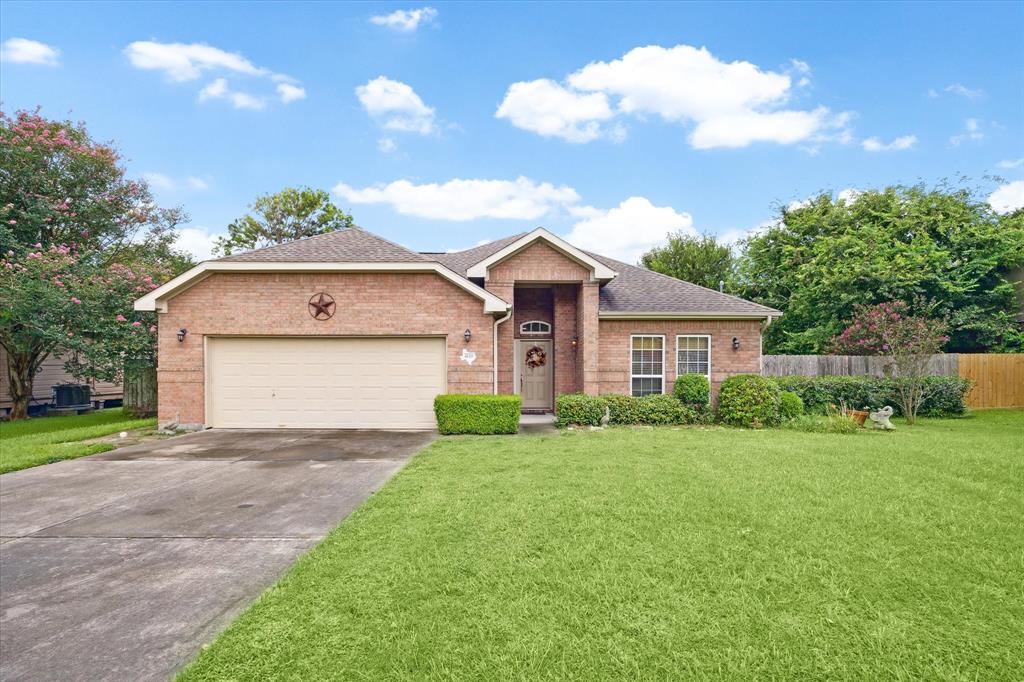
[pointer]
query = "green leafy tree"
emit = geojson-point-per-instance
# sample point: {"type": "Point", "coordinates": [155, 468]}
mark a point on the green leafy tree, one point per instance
{"type": "Point", "coordinates": [292, 213]}
{"type": "Point", "coordinates": [71, 225]}
{"type": "Point", "coordinates": [700, 260]}
{"type": "Point", "coordinates": [942, 248]}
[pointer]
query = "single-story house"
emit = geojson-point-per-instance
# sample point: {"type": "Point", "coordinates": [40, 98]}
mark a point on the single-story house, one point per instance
{"type": "Point", "coordinates": [350, 330]}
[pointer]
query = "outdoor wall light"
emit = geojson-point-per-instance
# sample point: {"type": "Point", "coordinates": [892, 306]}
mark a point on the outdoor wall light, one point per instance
{"type": "Point", "coordinates": [575, 342]}
{"type": "Point", "coordinates": [181, 335]}
{"type": "Point", "coordinates": [735, 343]}
{"type": "Point", "coordinates": [467, 335]}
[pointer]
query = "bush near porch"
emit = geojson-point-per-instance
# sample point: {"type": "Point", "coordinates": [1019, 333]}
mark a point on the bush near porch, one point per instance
{"type": "Point", "coordinates": [477, 414]}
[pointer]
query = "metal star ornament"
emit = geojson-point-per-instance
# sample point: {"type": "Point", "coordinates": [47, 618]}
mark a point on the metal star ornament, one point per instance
{"type": "Point", "coordinates": [321, 306]}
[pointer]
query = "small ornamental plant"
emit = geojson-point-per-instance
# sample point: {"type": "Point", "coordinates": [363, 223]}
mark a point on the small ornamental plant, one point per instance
{"type": "Point", "coordinates": [909, 341]}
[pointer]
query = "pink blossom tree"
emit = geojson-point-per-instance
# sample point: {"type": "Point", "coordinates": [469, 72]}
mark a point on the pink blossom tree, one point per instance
{"type": "Point", "coordinates": [909, 341]}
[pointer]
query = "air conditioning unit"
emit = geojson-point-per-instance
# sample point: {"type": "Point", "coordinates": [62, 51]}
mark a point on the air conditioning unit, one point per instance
{"type": "Point", "coordinates": [72, 396]}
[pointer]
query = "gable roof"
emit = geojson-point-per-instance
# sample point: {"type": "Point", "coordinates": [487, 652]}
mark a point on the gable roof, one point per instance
{"type": "Point", "coordinates": [600, 271]}
{"type": "Point", "coordinates": [353, 245]}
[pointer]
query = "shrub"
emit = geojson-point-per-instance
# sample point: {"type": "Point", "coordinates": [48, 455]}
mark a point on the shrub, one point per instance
{"type": "Point", "coordinates": [481, 414]}
{"type": "Point", "coordinates": [817, 423]}
{"type": "Point", "coordinates": [692, 389]}
{"type": "Point", "coordinates": [579, 409]}
{"type": "Point", "coordinates": [790, 405]}
{"type": "Point", "coordinates": [654, 410]}
{"type": "Point", "coordinates": [749, 400]}
{"type": "Point", "coordinates": [944, 395]}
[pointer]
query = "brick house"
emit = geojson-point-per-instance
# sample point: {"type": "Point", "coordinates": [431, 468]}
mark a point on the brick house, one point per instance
{"type": "Point", "coordinates": [349, 330]}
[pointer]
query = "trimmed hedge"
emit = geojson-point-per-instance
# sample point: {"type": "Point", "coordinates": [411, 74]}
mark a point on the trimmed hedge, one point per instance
{"type": "Point", "coordinates": [692, 389]}
{"type": "Point", "coordinates": [945, 394]}
{"type": "Point", "coordinates": [749, 400]}
{"type": "Point", "coordinates": [654, 410]}
{"type": "Point", "coordinates": [790, 405]}
{"type": "Point", "coordinates": [480, 414]}
{"type": "Point", "coordinates": [578, 409]}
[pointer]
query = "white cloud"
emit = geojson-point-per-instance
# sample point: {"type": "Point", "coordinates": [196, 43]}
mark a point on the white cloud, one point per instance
{"type": "Point", "coordinates": [848, 195]}
{"type": "Point", "coordinates": [552, 110]}
{"type": "Point", "coordinates": [196, 241]}
{"type": "Point", "coordinates": [731, 104]}
{"type": "Point", "coordinates": [387, 145]}
{"type": "Point", "coordinates": [25, 51]}
{"type": "Point", "coordinates": [218, 89]}
{"type": "Point", "coordinates": [874, 144]}
{"type": "Point", "coordinates": [628, 230]}
{"type": "Point", "coordinates": [963, 91]}
{"type": "Point", "coordinates": [289, 93]}
{"type": "Point", "coordinates": [181, 62]}
{"type": "Point", "coordinates": [396, 106]}
{"type": "Point", "coordinates": [1008, 198]}
{"type": "Point", "coordinates": [166, 183]}
{"type": "Point", "coordinates": [405, 20]}
{"type": "Point", "coordinates": [520, 199]}
{"type": "Point", "coordinates": [972, 132]}
{"type": "Point", "coordinates": [1010, 163]}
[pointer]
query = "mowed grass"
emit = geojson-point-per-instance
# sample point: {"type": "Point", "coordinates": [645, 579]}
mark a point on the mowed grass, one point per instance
{"type": "Point", "coordinates": [43, 440]}
{"type": "Point", "coordinates": [665, 554]}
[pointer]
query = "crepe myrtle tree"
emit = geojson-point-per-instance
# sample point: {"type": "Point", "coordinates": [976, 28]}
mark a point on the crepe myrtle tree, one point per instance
{"type": "Point", "coordinates": [70, 220]}
{"type": "Point", "coordinates": [54, 300]}
{"type": "Point", "coordinates": [908, 341]}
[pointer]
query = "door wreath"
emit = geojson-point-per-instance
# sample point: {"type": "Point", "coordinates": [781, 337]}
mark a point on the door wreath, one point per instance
{"type": "Point", "coordinates": [536, 357]}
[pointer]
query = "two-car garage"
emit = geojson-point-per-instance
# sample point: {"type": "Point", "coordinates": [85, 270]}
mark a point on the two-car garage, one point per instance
{"type": "Point", "coordinates": [323, 382]}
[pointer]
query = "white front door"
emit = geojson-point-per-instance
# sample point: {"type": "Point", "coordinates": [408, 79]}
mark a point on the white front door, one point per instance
{"type": "Point", "coordinates": [535, 373]}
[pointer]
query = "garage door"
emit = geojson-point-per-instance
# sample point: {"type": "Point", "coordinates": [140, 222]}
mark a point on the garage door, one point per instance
{"type": "Point", "coordinates": [324, 383]}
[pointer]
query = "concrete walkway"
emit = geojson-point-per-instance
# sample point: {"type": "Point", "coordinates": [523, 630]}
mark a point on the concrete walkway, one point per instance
{"type": "Point", "coordinates": [122, 565]}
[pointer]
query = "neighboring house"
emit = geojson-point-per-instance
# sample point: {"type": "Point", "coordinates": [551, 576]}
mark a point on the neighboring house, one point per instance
{"type": "Point", "coordinates": [349, 330]}
{"type": "Point", "coordinates": [50, 374]}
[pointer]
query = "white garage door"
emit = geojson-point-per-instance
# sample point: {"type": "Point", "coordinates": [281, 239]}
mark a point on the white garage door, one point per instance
{"type": "Point", "coordinates": [324, 383]}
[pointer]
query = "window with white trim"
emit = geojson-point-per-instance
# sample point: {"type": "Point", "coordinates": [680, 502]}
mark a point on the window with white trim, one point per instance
{"type": "Point", "coordinates": [693, 355]}
{"type": "Point", "coordinates": [647, 364]}
{"type": "Point", "coordinates": [535, 327]}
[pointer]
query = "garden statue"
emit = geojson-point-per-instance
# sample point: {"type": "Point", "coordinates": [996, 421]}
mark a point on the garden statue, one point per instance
{"type": "Point", "coordinates": [606, 417]}
{"type": "Point", "coordinates": [880, 419]}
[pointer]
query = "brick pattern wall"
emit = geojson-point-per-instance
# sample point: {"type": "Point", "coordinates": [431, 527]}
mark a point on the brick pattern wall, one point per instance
{"type": "Point", "coordinates": [589, 351]}
{"type": "Point", "coordinates": [615, 345]}
{"type": "Point", "coordinates": [566, 357]}
{"type": "Point", "coordinates": [532, 303]}
{"type": "Point", "coordinates": [537, 263]}
{"type": "Point", "coordinates": [266, 304]}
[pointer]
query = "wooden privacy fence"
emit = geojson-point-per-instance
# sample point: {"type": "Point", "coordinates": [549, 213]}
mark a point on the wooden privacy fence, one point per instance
{"type": "Point", "coordinates": [998, 378]}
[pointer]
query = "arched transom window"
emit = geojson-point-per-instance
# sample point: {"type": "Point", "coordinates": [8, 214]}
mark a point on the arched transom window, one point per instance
{"type": "Point", "coordinates": [535, 327]}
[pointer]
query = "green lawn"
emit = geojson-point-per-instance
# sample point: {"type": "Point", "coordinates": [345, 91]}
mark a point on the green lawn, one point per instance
{"type": "Point", "coordinates": [43, 440]}
{"type": "Point", "coordinates": [665, 554]}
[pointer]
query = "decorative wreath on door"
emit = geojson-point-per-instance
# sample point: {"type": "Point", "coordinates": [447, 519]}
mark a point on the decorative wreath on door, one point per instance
{"type": "Point", "coordinates": [536, 357]}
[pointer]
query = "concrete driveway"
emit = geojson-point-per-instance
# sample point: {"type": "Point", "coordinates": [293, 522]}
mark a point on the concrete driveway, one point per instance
{"type": "Point", "coordinates": [120, 566]}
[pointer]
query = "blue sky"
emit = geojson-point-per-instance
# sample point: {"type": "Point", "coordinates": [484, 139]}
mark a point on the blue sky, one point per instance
{"type": "Point", "coordinates": [441, 125]}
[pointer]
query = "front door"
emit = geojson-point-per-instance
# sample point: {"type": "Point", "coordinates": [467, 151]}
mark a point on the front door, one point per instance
{"type": "Point", "coordinates": [535, 374]}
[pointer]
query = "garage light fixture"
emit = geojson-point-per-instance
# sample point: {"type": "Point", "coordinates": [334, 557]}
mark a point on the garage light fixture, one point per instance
{"type": "Point", "coordinates": [467, 335]}
{"type": "Point", "coordinates": [181, 335]}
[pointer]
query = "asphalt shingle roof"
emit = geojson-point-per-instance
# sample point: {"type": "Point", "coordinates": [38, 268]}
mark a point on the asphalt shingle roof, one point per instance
{"type": "Point", "coordinates": [352, 245]}
{"type": "Point", "coordinates": [634, 290]}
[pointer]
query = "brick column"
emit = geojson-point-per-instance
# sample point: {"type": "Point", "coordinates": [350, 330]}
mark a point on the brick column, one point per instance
{"type": "Point", "coordinates": [564, 330]}
{"type": "Point", "coordinates": [506, 338]}
{"type": "Point", "coordinates": [587, 327]}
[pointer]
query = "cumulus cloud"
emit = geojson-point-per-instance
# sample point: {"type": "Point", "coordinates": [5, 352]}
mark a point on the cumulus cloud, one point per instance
{"type": "Point", "coordinates": [182, 62]}
{"type": "Point", "coordinates": [552, 110]}
{"type": "Point", "coordinates": [387, 145]}
{"type": "Point", "coordinates": [289, 93]}
{"type": "Point", "coordinates": [963, 91]}
{"type": "Point", "coordinates": [219, 89]}
{"type": "Point", "coordinates": [460, 200]}
{"type": "Point", "coordinates": [1010, 163]}
{"type": "Point", "coordinates": [972, 133]}
{"type": "Point", "coordinates": [25, 51]}
{"type": "Point", "coordinates": [874, 144]}
{"type": "Point", "coordinates": [727, 104]}
{"type": "Point", "coordinates": [197, 241]}
{"type": "Point", "coordinates": [628, 230]}
{"type": "Point", "coordinates": [396, 106]}
{"type": "Point", "coordinates": [405, 20]}
{"type": "Point", "coordinates": [166, 183]}
{"type": "Point", "coordinates": [1008, 198]}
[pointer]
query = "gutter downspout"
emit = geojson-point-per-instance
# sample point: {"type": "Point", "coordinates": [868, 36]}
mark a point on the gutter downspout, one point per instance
{"type": "Point", "coordinates": [760, 343]}
{"type": "Point", "coordinates": [494, 353]}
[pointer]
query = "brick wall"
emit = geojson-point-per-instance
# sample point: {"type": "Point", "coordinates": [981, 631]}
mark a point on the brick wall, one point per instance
{"type": "Point", "coordinates": [538, 263]}
{"type": "Point", "coordinates": [614, 373]}
{"type": "Point", "coordinates": [566, 357]}
{"type": "Point", "coordinates": [275, 304]}
{"type": "Point", "coordinates": [532, 303]}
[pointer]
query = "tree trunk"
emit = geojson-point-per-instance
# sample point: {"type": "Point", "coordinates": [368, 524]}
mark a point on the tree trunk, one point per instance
{"type": "Point", "coordinates": [21, 375]}
{"type": "Point", "coordinates": [139, 388]}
